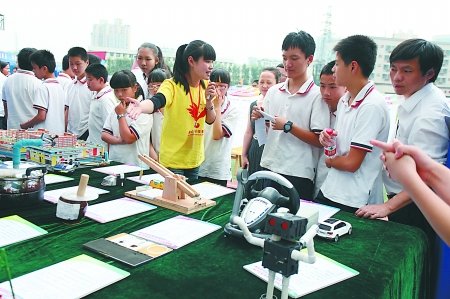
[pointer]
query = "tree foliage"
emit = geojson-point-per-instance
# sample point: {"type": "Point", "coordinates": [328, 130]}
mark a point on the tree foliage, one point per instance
{"type": "Point", "coordinates": [117, 64]}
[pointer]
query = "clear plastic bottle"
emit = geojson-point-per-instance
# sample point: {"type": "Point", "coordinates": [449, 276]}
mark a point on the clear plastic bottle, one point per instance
{"type": "Point", "coordinates": [330, 151]}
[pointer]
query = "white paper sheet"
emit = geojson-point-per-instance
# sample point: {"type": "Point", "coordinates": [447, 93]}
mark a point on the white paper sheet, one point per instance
{"type": "Point", "coordinates": [311, 277]}
{"type": "Point", "coordinates": [51, 178]}
{"type": "Point", "coordinates": [177, 231]}
{"type": "Point", "coordinates": [15, 229]}
{"type": "Point", "coordinates": [267, 116]}
{"type": "Point", "coordinates": [325, 211]}
{"type": "Point", "coordinates": [53, 195]}
{"type": "Point", "coordinates": [260, 131]}
{"type": "Point", "coordinates": [118, 169]}
{"type": "Point", "coordinates": [145, 179]}
{"type": "Point", "coordinates": [150, 193]}
{"type": "Point", "coordinates": [209, 190]}
{"type": "Point", "coordinates": [73, 278]}
{"type": "Point", "coordinates": [117, 209]}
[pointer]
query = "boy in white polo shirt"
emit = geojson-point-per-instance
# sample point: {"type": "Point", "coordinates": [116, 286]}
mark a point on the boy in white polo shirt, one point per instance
{"type": "Point", "coordinates": [66, 76]}
{"type": "Point", "coordinates": [415, 65]}
{"type": "Point", "coordinates": [103, 103]}
{"type": "Point", "coordinates": [362, 115]}
{"type": "Point", "coordinates": [78, 95]}
{"type": "Point", "coordinates": [19, 91]}
{"type": "Point", "coordinates": [50, 97]}
{"type": "Point", "coordinates": [331, 94]}
{"type": "Point", "coordinates": [292, 145]}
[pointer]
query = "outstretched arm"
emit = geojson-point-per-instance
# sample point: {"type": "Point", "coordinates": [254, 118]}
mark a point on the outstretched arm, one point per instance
{"type": "Point", "coordinates": [138, 107]}
{"type": "Point", "coordinates": [411, 167]}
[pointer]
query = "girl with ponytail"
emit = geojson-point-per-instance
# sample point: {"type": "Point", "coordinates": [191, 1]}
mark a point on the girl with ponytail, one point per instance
{"type": "Point", "coordinates": [187, 99]}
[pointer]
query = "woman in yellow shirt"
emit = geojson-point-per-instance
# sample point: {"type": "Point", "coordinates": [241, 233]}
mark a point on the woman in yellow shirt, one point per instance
{"type": "Point", "coordinates": [187, 99]}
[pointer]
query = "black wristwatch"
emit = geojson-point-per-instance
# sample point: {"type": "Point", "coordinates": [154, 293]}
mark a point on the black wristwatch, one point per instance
{"type": "Point", "coordinates": [287, 126]}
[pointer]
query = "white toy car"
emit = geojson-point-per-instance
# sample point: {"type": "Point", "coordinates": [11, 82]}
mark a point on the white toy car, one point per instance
{"type": "Point", "coordinates": [333, 228]}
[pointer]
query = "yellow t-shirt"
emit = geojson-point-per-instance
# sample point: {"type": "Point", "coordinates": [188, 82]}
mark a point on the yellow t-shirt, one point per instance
{"type": "Point", "coordinates": [182, 144]}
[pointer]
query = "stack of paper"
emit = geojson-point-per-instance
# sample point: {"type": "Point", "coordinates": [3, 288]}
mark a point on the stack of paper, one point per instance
{"type": "Point", "coordinates": [117, 209]}
{"type": "Point", "coordinates": [73, 278]}
{"type": "Point", "coordinates": [177, 231]}
{"type": "Point", "coordinates": [51, 178]}
{"type": "Point", "coordinates": [311, 277]}
{"type": "Point", "coordinates": [15, 229]}
{"type": "Point", "coordinates": [118, 169]}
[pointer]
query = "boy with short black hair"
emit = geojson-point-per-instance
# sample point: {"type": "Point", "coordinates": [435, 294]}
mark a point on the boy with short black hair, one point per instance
{"type": "Point", "coordinates": [362, 115]}
{"type": "Point", "coordinates": [415, 65]}
{"type": "Point", "coordinates": [49, 98]}
{"type": "Point", "coordinates": [103, 102]}
{"type": "Point", "coordinates": [331, 94]}
{"type": "Point", "coordinates": [19, 91]}
{"type": "Point", "coordinates": [292, 145]}
{"type": "Point", "coordinates": [78, 95]}
{"type": "Point", "coordinates": [66, 76]}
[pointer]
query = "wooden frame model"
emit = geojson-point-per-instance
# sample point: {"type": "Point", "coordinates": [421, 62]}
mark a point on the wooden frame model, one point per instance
{"type": "Point", "coordinates": [177, 195]}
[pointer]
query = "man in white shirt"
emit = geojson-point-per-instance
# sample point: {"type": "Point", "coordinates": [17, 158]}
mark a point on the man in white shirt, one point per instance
{"type": "Point", "coordinates": [292, 146]}
{"type": "Point", "coordinates": [66, 76]}
{"type": "Point", "coordinates": [415, 65]}
{"type": "Point", "coordinates": [19, 91]}
{"type": "Point", "coordinates": [50, 97]}
{"type": "Point", "coordinates": [78, 95]}
{"type": "Point", "coordinates": [331, 94]}
{"type": "Point", "coordinates": [362, 115]}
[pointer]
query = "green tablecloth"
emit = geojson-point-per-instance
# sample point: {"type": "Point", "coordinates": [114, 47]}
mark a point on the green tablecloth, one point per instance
{"type": "Point", "coordinates": [390, 257]}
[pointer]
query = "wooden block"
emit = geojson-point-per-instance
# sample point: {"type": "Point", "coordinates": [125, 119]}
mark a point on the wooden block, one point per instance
{"type": "Point", "coordinates": [186, 206]}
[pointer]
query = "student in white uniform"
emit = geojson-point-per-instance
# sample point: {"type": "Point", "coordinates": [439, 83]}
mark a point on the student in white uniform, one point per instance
{"type": "Point", "coordinates": [331, 94]}
{"type": "Point", "coordinates": [292, 145]}
{"type": "Point", "coordinates": [19, 91]}
{"type": "Point", "coordinates": [66, 76]}
{"type": "Point", "coordinates": [127, 138]}
{"type": "Point", "coordinates": [362, 115]}
{"type": "Point", "coordinates": [216, 167]}
{"type": "Point", "coordinates": [148, 59]}
{"type": "Point", "coordinates": [103, 103]}
{"type": "Point", "coordinates": [415, 65]}
{"type": "Point", "coordinates": [79, 96]}
{"type": "Point", "coordinates": [50, 97]}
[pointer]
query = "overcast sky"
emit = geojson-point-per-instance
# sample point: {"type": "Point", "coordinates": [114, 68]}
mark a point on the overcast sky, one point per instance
{"type": "Point", "coordinates": [236, 28]}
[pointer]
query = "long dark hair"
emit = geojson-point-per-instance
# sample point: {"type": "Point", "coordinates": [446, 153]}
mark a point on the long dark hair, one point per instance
{"type": "Point", "coordinates": [196, 49]}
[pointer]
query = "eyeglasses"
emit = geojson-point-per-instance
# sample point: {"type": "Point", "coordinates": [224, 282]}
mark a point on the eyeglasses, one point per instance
{"type": "Point", "coordinates": [221, 85]}
{"type": "Point", "coordinates": [154, 86]}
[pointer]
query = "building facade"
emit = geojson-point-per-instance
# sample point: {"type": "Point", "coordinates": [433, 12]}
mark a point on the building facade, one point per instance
{"type": "Point", "coordinates": [111, 36]}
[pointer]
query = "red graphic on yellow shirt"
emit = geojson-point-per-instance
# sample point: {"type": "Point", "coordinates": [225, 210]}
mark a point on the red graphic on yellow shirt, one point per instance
{"type": "Point", "coordinates": [194, 110]}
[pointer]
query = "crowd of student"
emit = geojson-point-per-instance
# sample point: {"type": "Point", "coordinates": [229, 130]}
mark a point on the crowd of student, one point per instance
{"type": "Point", "coordinates": [185, 120]}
